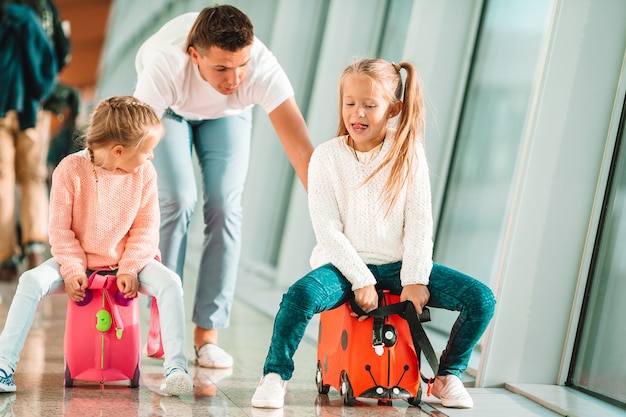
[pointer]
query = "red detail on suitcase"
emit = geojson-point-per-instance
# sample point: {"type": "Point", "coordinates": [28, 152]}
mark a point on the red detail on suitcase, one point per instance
{"type": "Point", "coordinates": [347, 361]}
{"type": "Point", "coordinates": [102, 337]}
{"type": "Point", "coordinates": [154, 345]}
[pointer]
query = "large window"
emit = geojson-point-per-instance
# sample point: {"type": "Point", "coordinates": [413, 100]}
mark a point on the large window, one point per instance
{"type": "Point", "coordinates": [503, 76]}
{"type": "Point", "coordinates": [504, 73]}
{"type": "Point", "coordinates": [599, 365]}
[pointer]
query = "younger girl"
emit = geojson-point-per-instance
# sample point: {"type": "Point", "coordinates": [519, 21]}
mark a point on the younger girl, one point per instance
{"type": "Point", "coordinates": [104, 210]}
{"type": "Point", "coordinates": [370, 206]}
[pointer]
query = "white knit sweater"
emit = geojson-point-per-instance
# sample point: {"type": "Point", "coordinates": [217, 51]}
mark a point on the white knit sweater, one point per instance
{"type": "Point", "coordinates": [350, 223]}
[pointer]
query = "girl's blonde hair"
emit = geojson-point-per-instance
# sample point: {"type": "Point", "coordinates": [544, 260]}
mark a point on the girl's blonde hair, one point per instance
{"type": "Point", "coordinates": [410, 125]}
{"type": "Point", "coordinates": [122, 120]}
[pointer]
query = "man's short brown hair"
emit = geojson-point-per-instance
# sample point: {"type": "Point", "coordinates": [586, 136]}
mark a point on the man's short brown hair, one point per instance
{"type": "Point", "coordinates": [222, 26]}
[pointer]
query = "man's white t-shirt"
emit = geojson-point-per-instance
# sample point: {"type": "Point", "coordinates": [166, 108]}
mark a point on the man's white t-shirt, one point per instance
{"type": "Point", "coordinates": [168, 78]}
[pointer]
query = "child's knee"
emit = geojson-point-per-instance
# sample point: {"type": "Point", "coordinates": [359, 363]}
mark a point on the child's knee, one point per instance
{"type": "Point", "coordinates": [167, 282]}
{"type": "Point", "coordinates": [30, 283]}
{"type": "Point", "coordinates": [485, 301]}
{"type": "Point", "coordinates": [305, 294]}
{"type": "Point", "coordinates": [174, 283]}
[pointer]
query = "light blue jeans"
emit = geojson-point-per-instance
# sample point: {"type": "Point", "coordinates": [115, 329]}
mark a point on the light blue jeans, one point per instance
{"type": "Point", "coordinates": [154, 280]}
{"type": "Point", "coordinates": [223, 150]}
{"type": "Point", "coordinates": [326, 288]}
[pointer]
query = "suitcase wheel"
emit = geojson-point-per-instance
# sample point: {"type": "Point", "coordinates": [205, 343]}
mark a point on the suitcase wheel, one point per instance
{"type": "Point", "coordinates": [134, 383]}
{"type": "Point", "coordinates": [69, 382]}
{"type": "Point", "coordinates": [319, 380]}
{"type": "Point", "coordinates": [346, 389]}
{"type": "Point", "coordinates": [418, 398]}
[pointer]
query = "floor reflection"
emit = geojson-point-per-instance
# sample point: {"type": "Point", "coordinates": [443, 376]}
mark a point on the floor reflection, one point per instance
{"type": "Point", "coordinates": [217, 392]}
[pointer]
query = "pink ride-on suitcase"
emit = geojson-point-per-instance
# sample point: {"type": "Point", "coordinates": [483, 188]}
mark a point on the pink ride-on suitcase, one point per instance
{"type": "Point", "coordinates": [102, 334]}
{"type": "Point", "coordinates": [377, 358]}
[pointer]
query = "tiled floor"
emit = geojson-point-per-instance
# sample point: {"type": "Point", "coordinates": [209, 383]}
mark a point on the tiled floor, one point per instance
{"type": "Point", "coordinates": [217, 393]}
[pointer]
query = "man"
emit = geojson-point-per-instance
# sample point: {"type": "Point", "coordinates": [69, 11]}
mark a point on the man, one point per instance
{"type": "Point", "coordinates": [203, 72]}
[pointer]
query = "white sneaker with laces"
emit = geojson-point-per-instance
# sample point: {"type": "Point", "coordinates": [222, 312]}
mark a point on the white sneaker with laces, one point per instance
{"type": "Point", "coordinates": [210, 355]}
{"type": "Point", "coordinates": [270, 393]}
{"type": "Point", "coordinates": [451, 391]}
{"type": "Point", "coordinates": [177, 382]}
{"type": "Point", "coordinates": [6, 381]}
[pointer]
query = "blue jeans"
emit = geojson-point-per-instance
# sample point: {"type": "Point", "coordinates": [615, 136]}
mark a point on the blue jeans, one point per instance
{"type": "Point", "coordinates": [326, 288]}
{"type": "Point", "coordinates": [223, 150]}
{"type": "Point", "coordinates": [154, 280]}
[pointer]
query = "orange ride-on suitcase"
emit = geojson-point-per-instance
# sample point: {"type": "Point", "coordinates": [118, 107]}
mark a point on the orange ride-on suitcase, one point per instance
{"type": "Point", "coordinates": [377, 358]}
{"type": "Point", "coordinates": [102, 334]}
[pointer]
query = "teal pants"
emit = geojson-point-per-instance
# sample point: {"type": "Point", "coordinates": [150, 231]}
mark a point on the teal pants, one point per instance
{"type": "Point", "coordinates": [326, 288]}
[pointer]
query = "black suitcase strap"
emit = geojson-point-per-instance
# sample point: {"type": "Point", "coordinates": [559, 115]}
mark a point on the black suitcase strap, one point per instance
{"type": "Point", "coordinates": [406, 310]}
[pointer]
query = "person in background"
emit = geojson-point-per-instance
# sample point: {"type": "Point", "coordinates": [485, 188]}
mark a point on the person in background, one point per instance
{"type": "Point", "coordinates": [370, 207]}
{"type": "Point", "coordinates": [104, 210]}
{"type": "Point", "coordinates": [30, 65]}
{"type": "Point", "coordinates": [28, 76]}
{"type": "Point", "coordinates": [203, 72]}
{"type": "Point", "coordinates": [65, 105]}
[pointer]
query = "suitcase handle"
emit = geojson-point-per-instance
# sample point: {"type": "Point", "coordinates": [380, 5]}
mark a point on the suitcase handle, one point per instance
{"type": "Point", "coordinates": [388, 310]}
{"type": "Point", "coordinates": [406, 310]}
{"type": "Point", "coordinates": [154, 344]}
{"type": "Point", "coordinates": [102, 279]}
{"type": "Point", "coordinates": [115, 313]}
{"type": "Point", "coordinates": [96, 280]}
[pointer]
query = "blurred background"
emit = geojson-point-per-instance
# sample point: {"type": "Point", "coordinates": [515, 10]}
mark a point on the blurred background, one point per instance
{"type": "Point", "coordinates": [525, 141]}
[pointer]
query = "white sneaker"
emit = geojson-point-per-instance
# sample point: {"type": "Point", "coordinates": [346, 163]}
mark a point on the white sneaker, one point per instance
{"type": "Point", "coordinates": [6, 381]}
{"type": "Point", "coordinates": [212, 356]}
{"type": "Point", "coordinates": [270, 393]}
{"type": "Point", "coordinates": [177, 382]}
{"type": "Point", "coordinates": [6, 404]}
{"type": "Point", "coordinates": [451, 391]}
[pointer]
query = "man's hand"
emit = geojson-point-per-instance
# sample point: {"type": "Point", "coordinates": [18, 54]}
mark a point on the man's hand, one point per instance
{"type": "Point", "coordinates": [367, 299]}
{"type": "Point", "coordinates": [128, 285]}
{"type": "Point", "coordinates": [75, 287]}
{"type": "Point", "coordinates": [418, 294]}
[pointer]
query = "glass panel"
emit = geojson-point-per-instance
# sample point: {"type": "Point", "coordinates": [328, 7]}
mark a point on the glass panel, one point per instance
{"type": "Point", "coordinates": [600, 365]}
{"type": "Point", "coordinates": [503, 77]}
{"type": "Point", "coordinates": [396, 25]}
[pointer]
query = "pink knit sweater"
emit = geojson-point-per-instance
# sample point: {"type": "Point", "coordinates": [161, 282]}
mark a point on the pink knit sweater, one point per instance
{"type": "Point", "coordinates": [115, 223]}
